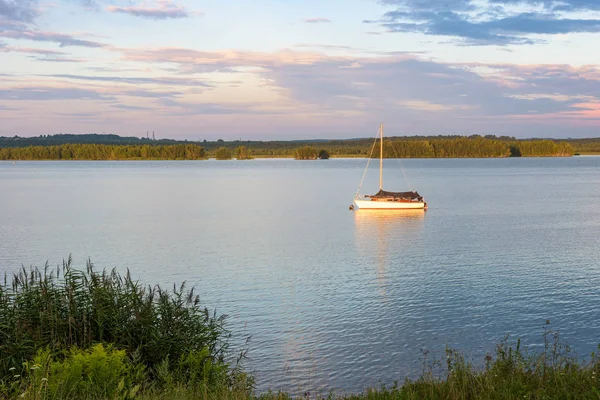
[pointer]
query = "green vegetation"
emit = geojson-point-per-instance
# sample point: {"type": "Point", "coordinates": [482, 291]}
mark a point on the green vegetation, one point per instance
{"type": "Point", "coordinates": [540, 148]}
{"type": "Point", "coordinates": [306, 153]}
{"type": "Point", "coordinates": [585, 146]}
{"type": "Point", "coordinates": [112, 147]}
{"type": "Point", "coordinates": [223, 153]}
{"type": "Point", "coordinates": [444, 148]}
{"type": "Point", "coordinates": [241, 153]}
{"type": "Point", "coordinates": [512, 373]}
{"type": "Point", "coordinates": [57, 140]}
{"type": "Point", "coordinates": [104, 152]}
{"type": "Point", "coordinates": [310, 153]}
{"type": "Point", "coordinates": [478, 147]}
{"type": "Point", "coordinates": [70, 334]}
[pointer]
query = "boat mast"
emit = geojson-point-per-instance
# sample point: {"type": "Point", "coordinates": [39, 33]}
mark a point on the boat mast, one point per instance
{"type": "Point", "coordinates": [381, 159]}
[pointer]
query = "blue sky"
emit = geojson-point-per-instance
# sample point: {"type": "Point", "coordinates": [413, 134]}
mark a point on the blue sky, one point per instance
{"type": "Point", "coordinates": [290, 69]}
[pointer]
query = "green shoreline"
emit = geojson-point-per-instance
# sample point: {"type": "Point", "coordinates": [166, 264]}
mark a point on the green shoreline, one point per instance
{"type": "Point", "coordinates": [87, 334]}
{"type": "Point", "coordinates": [267, 157]}
{"type": "Point", "coordinates": [112, 147]}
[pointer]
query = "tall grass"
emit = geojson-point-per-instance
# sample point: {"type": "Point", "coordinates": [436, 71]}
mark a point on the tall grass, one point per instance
{"type": "Point", "coordinates": [167, 332]}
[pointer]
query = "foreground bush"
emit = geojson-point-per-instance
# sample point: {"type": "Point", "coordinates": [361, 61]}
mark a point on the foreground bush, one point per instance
{"type": "Point", "coordinates": [98, 372]}
{"type": "Point", "coordinates": [57, 315]}
{"type": "Point", "coordinates": [513, 373]}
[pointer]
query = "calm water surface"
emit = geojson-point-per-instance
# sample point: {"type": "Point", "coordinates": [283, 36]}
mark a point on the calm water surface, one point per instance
{"type": "Point", "coordinates": [332, 298]}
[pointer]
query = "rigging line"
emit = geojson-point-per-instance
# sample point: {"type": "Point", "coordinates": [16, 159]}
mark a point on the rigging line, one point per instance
{"type": "Point", "coordinates": [367, 167]}
{"type": "Point", "coordinates": [401, 166]}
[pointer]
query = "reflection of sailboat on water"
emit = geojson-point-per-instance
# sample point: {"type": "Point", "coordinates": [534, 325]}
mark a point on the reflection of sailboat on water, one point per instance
{"type": "Point", "coordinates": [385, 237]}
{"type": "Point", "coordinates": [384, 217]}
{"type": "Point", "coordinates": [386, 226]}
{"type": "Point", "coordinates": [384, 200]}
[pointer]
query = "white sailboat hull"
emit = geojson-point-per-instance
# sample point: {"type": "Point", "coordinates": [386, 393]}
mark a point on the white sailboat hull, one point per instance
{"type": "Point", "coordinates": [389, 205]}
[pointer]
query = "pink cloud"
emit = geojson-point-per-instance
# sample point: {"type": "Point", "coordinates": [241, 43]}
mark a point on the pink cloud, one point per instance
{"type": "Point", "coordinates": [303, 89]}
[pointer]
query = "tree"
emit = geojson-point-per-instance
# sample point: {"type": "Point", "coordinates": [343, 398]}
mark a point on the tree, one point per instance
{"type": "Point", "coordinates": [223, 153]}
{"type": "Point", "coordinates": [306, 153]}
{"type": "Point", "coordinates": [323, 155]}
{"type": "Point", "coordinates": [241, 153]}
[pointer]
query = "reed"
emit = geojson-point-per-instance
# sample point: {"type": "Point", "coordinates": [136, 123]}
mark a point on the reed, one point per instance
{"type": "Point", "coordinates": [64, 309]}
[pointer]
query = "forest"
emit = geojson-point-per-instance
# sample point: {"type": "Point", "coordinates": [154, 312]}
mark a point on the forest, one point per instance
{"type": "Point", "coordinates": [113, 147]}
{"type": "Point", "coordinates": [104, 152]}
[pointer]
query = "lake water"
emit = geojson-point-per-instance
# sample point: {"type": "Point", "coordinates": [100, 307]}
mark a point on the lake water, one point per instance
{"type": "Point", "coordinates": [333, 298]}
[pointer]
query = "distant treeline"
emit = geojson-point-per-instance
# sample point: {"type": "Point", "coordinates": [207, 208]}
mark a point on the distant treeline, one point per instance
{"type": "Point", "coordinates": [93, 138]}
{"type": "Point", "coordinates": [472, 147]}
{"type": "Point", "coordinates": [104, 152]}
{"type": "Point", "coordinates": [404, 147]}
{"type": "Point", "coordinates": [434, 147]}
{"type": "Point", "coordinates": [585, 145]}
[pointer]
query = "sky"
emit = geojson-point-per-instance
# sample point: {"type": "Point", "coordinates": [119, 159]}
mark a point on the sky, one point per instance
{"type": "Point", "coordinates": [300, 69]}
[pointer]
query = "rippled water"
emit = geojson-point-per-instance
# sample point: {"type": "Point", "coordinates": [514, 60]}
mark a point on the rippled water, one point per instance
{"type": "Point", "coordinates": [333, 298]}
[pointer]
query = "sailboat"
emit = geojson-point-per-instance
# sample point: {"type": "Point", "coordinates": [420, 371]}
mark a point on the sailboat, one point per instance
{"type": "Point", "coordinates": [385, 200]}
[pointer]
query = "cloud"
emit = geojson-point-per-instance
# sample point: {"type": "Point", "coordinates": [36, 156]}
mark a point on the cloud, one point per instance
{"type": "Point", "coordinates": [490, 23]}
{"type": "Point", "coordinates": [40, 54]}
{"type": "Point", "coordinates": [117, 69]}
{"type": "Point", "coordinates": [59, 59]}
{"type": "Point", "coordinates": [31, 50]}
{"type": "Point", "coordinates": [151, 94]}
{"type": "Point", "coordinates": [472, 5]}
{"type": "Point", "coordinates": [78, 114]}
{"type": "Point", "coordinates": [509, 30]}
{"type": "Point", "coordinates": [305, 87]}
{"type": "Point", "coordinates": [324, 46]}
{"type": "Point", "coordinates": [136, 80]}
{"type": "Point", "coordinates": [396, 84]}
{"type": "Point", "coordinates": [131, 108]}
{"type": "Point", "coordinates": [62, 39]}
{"type": "Point", "coordinates": [189, 60]}
{"type": "Point", "coordinates": [16, 21]}
{"type": "Point", "coordinates": [316, 20]}
{"type": "Point", "coordinates": [554, 81]}
{"type": "Point", "coordinates": [18, 10]}
{"type": "Point", "coordinates": [186, 108]}
{"type": "Point", "coordinates": [562, 5]}
{"type": "Point", "coordinates": [165, 10]}
{"type": "Point", "coordinates": [42, 91]}
{"type": "Point", "coordinates": [50, 94]}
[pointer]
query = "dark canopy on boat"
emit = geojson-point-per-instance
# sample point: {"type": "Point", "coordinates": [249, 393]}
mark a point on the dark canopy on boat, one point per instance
{"type": "Point", "coordinates": [397, 195]}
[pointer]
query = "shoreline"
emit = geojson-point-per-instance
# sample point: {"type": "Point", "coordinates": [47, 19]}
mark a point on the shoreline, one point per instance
{"type": "Point", "coordinates": [268, 157]}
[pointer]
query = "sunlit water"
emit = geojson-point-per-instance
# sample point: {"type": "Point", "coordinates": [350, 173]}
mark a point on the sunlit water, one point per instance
{"type": "Point", "coordinates": [332, 298]}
